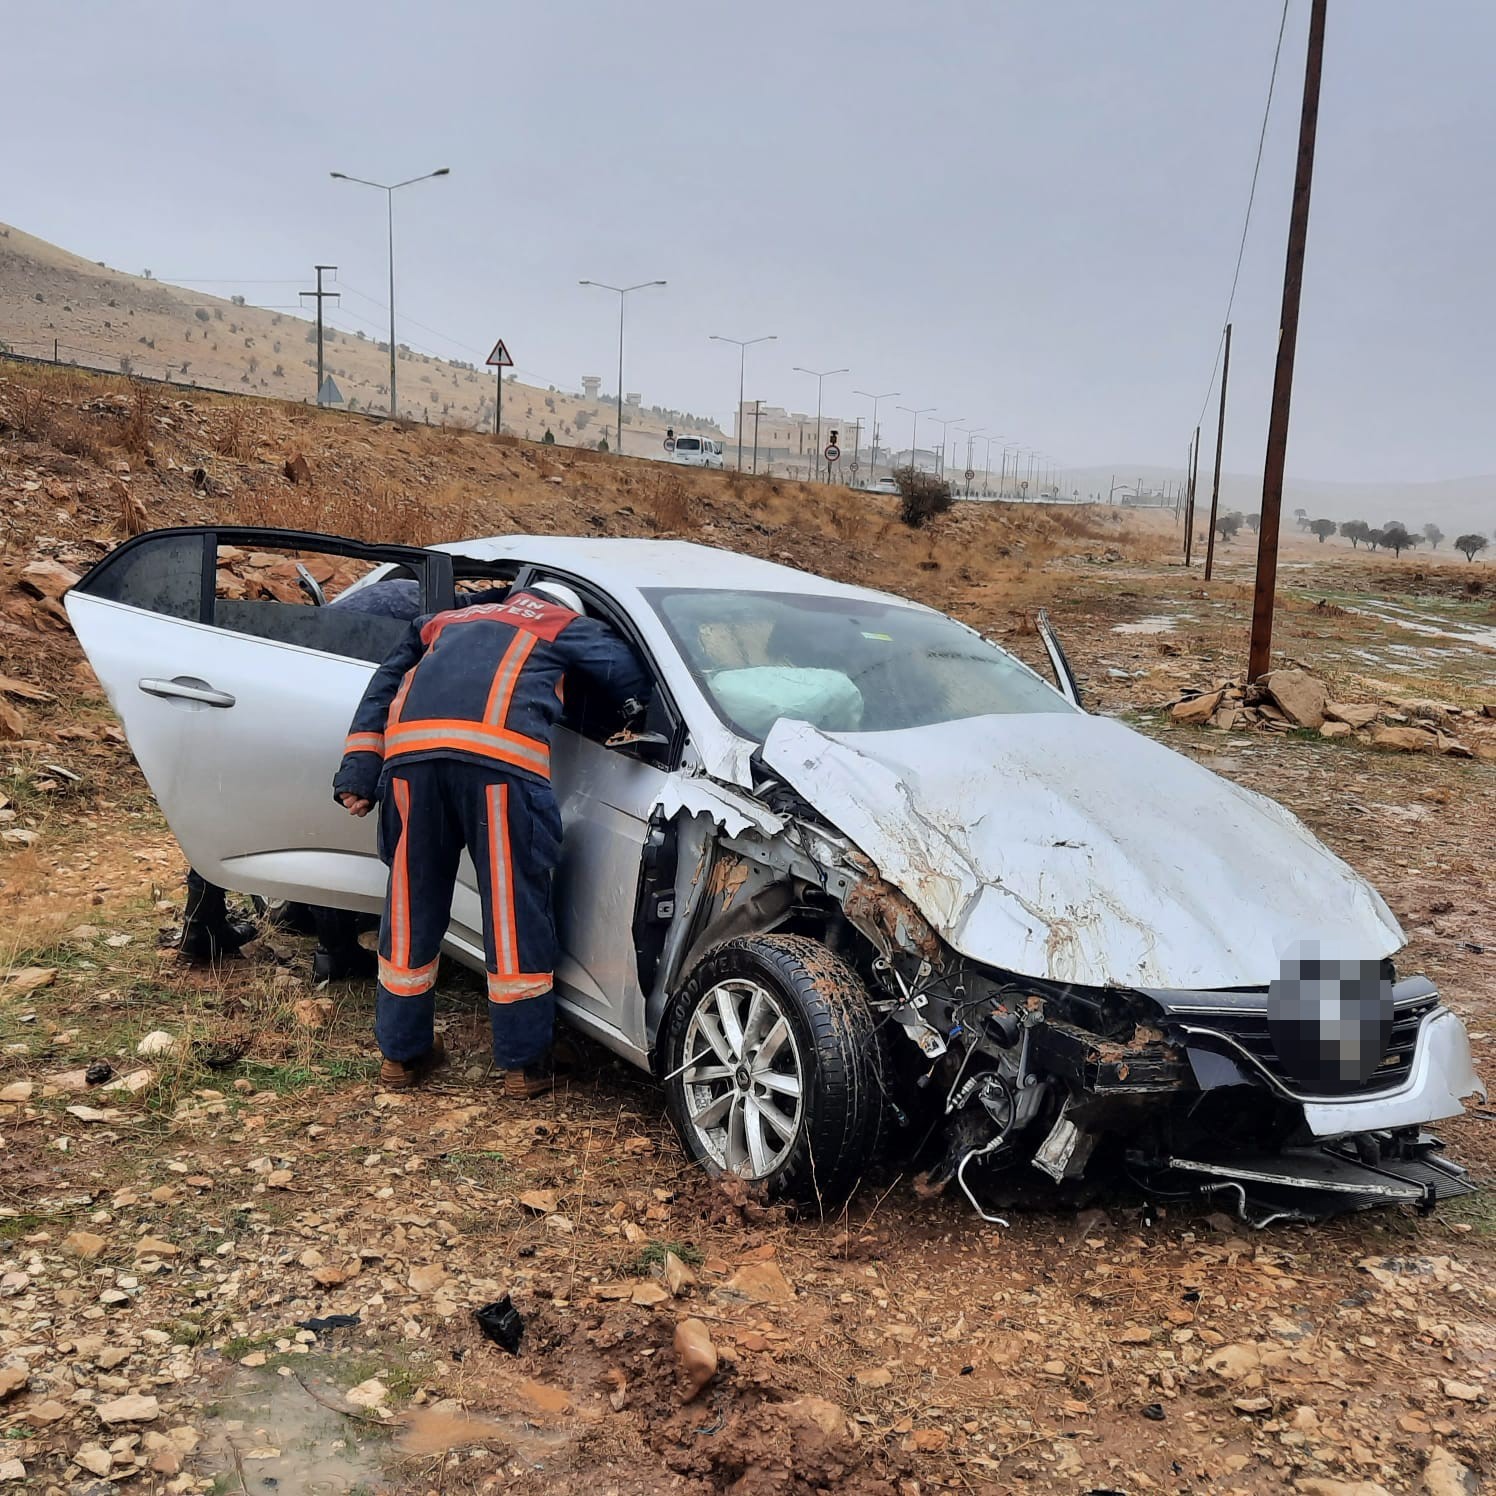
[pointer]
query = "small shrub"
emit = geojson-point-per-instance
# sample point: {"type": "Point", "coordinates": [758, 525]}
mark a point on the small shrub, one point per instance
{"type": "Point", "coordinates": [202, 314]}
{"type": "Point", "coordinates": [922, 496]}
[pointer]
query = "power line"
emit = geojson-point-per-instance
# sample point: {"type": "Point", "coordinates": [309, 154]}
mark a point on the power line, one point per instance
{"type": "Point", "coordinates": [1247, 219]}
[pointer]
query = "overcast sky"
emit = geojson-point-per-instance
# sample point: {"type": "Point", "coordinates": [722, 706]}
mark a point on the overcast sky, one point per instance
{"type": "Point", "coordinates": [1022, 212]}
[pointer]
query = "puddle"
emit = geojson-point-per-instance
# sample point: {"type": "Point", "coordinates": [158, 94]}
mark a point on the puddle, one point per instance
{"type": "Point", "coordinates": [1162, 623]}
{"type": "Point", "coordinates": [1415, 622]}
{"type": "Point", "coordinates": [269, 1430]}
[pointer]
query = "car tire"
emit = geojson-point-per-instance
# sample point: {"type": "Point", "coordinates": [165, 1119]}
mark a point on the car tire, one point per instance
{"type": "Point", "coordinates": [803, 1017]}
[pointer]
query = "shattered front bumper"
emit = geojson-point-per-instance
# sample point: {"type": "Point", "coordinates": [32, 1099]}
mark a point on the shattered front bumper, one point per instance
{"type": "Point", "coordinates": [1442, 1076]}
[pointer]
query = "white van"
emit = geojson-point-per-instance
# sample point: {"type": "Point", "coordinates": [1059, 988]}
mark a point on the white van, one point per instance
{"type": "Point", "coordinates": [697, 451]}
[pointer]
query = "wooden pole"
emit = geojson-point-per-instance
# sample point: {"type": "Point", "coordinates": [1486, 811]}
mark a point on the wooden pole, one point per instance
{"type": "Point", "coordinates": [1260, 654]}
{"type": "Point", "coordinates": [1215, 487]}
{"type": "Point", "coordinates": [1189, 502]}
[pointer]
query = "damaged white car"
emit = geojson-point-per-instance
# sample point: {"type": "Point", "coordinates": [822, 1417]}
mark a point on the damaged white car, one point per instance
{"type": "Point", "coordinates": [859, 881]}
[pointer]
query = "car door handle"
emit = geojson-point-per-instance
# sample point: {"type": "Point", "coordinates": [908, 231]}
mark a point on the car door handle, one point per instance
{"type": "Point", "coordinates": [188, 689]}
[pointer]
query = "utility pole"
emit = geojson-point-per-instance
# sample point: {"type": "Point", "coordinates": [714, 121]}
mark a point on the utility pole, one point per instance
{"type": "Point", "coordinates": [1189, 501]}
{"type": "Point", "coordinates": [856, 443]}
{"type": "Point", "coordinates": [1215, 487]}
{"type": "Point", "coordinates": [757, 406]}
{"type": "Point", "coordinates": [320, 296]}
{"type": "Point", "coordinates": [1261, 650]}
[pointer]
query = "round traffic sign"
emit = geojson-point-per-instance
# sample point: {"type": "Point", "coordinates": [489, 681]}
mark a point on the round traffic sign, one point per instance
{"type": "Point", "coordinates": [832, 452]}
{"type": "Point", "coordinates": [970, 474]}
{"type": "Point", "coordinates": [670, 444]}
{"type": "Point", "coordinates": [854, 466]}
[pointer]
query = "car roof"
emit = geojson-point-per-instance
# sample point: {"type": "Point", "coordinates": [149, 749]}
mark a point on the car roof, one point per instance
{"type": "Point", "coordinates": [623, 564]}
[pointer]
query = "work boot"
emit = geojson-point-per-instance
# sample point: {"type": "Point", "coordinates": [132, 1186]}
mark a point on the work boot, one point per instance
{"type": "Point", "coordinates": [350, 963]}
{"type": "Point", "coordinates": [208, 934]}
{"type": "Point", "coordinates": [399, 1075]}
{"type": "Point", "coordinates": [526, 1082]}
{"type": "Point", "coordinates": [205, 942]}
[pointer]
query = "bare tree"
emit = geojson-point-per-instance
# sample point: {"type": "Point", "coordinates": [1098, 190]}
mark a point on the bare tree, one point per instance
{"type": "Point", "coordinates": [1472, 545]}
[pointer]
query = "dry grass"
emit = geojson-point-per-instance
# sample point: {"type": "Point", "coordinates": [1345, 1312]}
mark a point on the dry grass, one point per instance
{"type": "Point", "coordinates": [136, 426]}
{"type": "Point", "coordinates": [236, 437]}
{"type": "Point", "coordinates": [670, 504]}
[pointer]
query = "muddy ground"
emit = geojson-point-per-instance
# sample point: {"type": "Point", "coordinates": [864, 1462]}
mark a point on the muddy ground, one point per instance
{"type": "Point", "coordinates": [165, 1235]}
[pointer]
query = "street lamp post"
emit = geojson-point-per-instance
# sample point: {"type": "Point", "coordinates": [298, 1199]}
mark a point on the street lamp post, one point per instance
{"type": "Point", "coordinates": [872, 471]}
{"type": "Point", "coordinates": [972, 432]}
{"type": "Point", "coordinates": [924, 410]}
{"type": "Point", "coordinates": [744, 344]}
{"type": "Point", "coordinates": [1017, 452]}
{"type": "Point", "coordinates": [390, 189]}
{"type": "Point", "coordinates": [945, 425]}
{"type": "Point", "coordinates": [820, 380]}
{"type": "Point", "coordinates": [622, 293]}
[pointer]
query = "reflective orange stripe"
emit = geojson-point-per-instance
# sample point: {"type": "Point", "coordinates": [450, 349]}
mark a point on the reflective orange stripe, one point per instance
{"type": "Point", "coordinates": [400, 883]}
{"type": "Point", "coordinates": [461, 736]}
{"type": "Point", "coordinates": [506, 677]}
{"type": "Point", "coordinates": [407, 981]}
{"type": "Point", "coordinates": [364, 742]}
{"type": "Point", "coordinates": [517, 988]}
{"type": "Point", "coordinates": [501, 882]}
{"type": "Point", "coordinates": [398, 703]}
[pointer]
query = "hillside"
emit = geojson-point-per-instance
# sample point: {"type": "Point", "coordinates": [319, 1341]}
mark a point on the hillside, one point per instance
{"type": "Point", "coordinates": [100, 317]}
{"type": "Point", "coordinates": [85, 459]}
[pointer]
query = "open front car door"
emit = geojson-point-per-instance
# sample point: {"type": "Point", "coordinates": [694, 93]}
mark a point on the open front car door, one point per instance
{"type": "Point", "coordinates": [235, 657]}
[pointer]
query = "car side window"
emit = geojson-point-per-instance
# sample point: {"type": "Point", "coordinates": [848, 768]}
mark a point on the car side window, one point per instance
{"type": "Point", "coordinates": [299, 595]}
{"type": "Point", "coordinates": [319, 592]}
{"type": "Point", "coordinates": [162, 575]}
{"type": "Point", "coordinates": [593, 715]}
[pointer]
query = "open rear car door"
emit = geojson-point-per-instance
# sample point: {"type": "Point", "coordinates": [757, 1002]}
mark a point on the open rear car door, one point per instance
{"type": "Point", "coordinates": [235, 672]}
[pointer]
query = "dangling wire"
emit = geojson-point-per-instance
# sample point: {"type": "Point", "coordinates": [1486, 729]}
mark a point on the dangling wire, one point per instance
{"type": "Point", "coordinates": [1247, 219]}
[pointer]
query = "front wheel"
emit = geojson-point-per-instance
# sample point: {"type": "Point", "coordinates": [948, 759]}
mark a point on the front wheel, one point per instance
{"type": "Point", "coordinates": [773, 1068]}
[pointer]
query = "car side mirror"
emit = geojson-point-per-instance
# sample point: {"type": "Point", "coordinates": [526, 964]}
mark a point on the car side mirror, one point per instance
{"type": "Point", "coordinates": [647, 746]}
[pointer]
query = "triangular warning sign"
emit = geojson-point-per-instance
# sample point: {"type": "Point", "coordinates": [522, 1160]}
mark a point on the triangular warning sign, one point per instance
{"type": "Point", "coordinates": [499, 358]}
{"type": "Point", "coordinates": [329, 394]}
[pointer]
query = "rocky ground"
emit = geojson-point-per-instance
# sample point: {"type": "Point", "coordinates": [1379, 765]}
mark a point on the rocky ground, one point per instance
{"type": "Point", "coordinates": [228, 1262]}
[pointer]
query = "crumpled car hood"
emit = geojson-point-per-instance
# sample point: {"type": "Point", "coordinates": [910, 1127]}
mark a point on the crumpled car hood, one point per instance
{"type": "Point", "coordinates": [1070, 847]}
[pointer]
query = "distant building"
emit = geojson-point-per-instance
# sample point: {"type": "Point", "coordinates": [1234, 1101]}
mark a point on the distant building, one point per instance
{"type": "Point", "coordinates": [921, 459]}
{"type": "Point", "coordinates": [591, 384]}
{"type": "Point", "coordinates": [633, 401]}
{"type": "Point", "coordinates": [787, 439]}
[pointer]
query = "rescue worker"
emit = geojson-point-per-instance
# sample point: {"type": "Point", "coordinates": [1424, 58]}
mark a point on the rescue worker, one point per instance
{"type": "Point", "coordinates": [452, 738]}
{"type": "Point", "coordinates": [209, 934]}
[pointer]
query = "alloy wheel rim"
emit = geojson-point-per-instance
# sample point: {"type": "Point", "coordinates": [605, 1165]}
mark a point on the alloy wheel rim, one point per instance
{"type": "Point", "coordinates": [743, 1081]}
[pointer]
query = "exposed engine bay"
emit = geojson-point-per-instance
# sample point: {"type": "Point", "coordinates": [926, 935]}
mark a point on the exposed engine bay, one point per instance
{"type": "Point", "coordinates": [1016, 1081]}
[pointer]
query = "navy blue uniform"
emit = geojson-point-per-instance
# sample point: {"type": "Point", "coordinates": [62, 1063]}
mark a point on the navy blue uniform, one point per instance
{"type": "Point", "coordinates": [453, 736]}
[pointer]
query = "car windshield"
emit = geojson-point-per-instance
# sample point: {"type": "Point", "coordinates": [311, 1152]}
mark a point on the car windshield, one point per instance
{"type": "Point", "coordinates": [842, 664]}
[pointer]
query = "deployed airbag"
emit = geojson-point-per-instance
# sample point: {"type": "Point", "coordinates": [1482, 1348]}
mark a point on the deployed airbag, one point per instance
{"type": "Point", "coordinates": [757, 696]}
